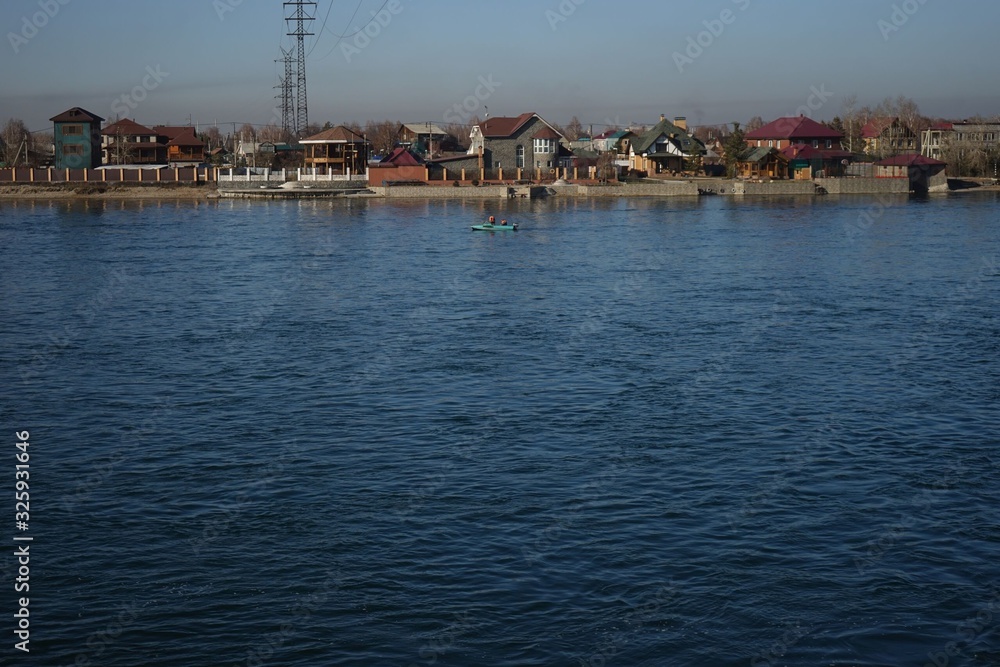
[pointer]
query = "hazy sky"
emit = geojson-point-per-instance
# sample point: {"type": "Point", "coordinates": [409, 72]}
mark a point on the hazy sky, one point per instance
{"type": "Point", "coordinates": [714, 61]}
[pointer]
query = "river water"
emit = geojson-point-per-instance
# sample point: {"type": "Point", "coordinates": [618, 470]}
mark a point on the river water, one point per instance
{"type": "Point", "coordinates": [634, 432]}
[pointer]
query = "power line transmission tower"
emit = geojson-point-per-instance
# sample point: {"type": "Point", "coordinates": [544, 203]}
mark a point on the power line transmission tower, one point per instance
{"type": "Point", "coordinates": [287, 94]}
{"type": "Point", "coordinates": [297, 20]}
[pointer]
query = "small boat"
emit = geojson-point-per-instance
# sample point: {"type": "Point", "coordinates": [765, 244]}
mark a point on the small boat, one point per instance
{"type": "Point", "coordinates": [491, 227]}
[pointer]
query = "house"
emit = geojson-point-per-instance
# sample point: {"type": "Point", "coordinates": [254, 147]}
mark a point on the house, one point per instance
{"type": "Point", "coordinates": [762, 163]}
{"type": "Point", "coordinates": [337, 151]}
{"type": "Point", "coordinates": [667, 146]}
{"type": "Point", "coordinates": [617, 141]}
{"type": "Point", "coordinates": [888, 136]}
{"type": "Point", "coordinates": [184, 149]}
{"type": "Point", "coordinates": [806, 162]}
{"type": "Point", "coordinates": [425, 138]}
{"type": "Point", "coordinates": [525, 142]}
{"type": "Point", "coordinates": [127, 142]}
{"type": "Point", "coordinates": [77, 139]}
{"type": "Point", "coordinates": [401, 165]}
{"type": "Point", "coordinates": [790, 130]}
{"type": "Point", "coordinates": [934, 139]}
{"type": "Point", "coordinates": [925, 174]}
{"type": "Point", "coordinates": [967, 137]}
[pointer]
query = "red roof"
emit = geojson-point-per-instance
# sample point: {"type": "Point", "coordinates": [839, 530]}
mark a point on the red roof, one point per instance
{"type": "Point", "coordinates": [794, 127]}
{"type": "Point", "coordinates": [942, 126]}
{"type": "Point", "coordinates": [546, 133]}
{"type": "Point", "coordinates": [876, 126]}
{"type": "Point", "coordinates": [76, 115]}
{"type": "Point", "coordinates": [401, 157]}
{"type": "Point", "coordinates": [909, 160]}
{"type": "Point", "coordinates": [807, 152]}
{"type": "Point", "coordinates": [127, 126]}
{"type": "Point", "coordinates": [502, 127]}
{"type": "Point", "coordinates": [179, 135]}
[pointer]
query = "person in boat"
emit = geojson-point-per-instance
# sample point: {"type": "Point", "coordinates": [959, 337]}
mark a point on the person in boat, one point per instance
{"type": "Point", "coordinates": [492, 220]}
{"type": "Point", "coordinates": [503, 222]}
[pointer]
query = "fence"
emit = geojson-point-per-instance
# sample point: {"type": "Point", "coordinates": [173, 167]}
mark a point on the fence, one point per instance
{"type": "Point", "coordinates": [27, 175]}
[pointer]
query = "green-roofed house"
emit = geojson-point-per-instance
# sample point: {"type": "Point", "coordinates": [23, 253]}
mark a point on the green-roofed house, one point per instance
{"type": "Point", "coordinates": [763, 162]}
{"type": "Point", "coordinates": [664, 148]}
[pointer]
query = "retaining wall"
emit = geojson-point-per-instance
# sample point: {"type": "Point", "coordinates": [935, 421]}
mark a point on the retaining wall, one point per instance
{"type": "Point", "coordinates": [864, 186]}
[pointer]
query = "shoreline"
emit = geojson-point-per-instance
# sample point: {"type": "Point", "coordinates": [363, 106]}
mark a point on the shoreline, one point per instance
{"type": "Point", "coordinates": [210, 191]}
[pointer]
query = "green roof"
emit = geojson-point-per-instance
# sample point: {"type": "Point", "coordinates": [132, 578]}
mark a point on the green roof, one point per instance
{"type": "Point", "coordinates": [688, 144]}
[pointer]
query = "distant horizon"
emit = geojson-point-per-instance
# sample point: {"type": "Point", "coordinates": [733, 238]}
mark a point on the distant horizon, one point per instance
{"type": "Point", "coordinates": [212, 62]}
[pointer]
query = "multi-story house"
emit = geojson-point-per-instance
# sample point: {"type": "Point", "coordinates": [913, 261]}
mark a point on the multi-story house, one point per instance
{"type": "Point", "coordinates": [965, 136]}
{"type": "Point", "coordinates": [77, 139]}
{"type": "Point", "coordinates": [666, 146]}
{"type": "Point", "coordinates": [886, 137]}
{"type": "Point", "coordinates": [790, 130]}
{"type": "Point", "coordinates": [184, 148]}
{"type": "Point", "coordinates": [337, 151]}
{"type": "Point", "coordinates": [525, 142]}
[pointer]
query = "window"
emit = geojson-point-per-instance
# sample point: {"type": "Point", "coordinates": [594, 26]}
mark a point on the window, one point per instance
{"type": "Point", "coordinates": [829, 143]}
{"type": "Point", "coordinates": [815, 143]}
{"type": "Point", "coordinates": [519, 156]}
{"type": "Point", "coordinates": [544, 146]}
{"type": "Point", "coordinates": [72, 129]}
{"type": "Point", "coordinates": [72, 149]}
{"type": "Point", "coordinates": [770, 143]}
{"type": "Point", "coordinates": [496, 165]}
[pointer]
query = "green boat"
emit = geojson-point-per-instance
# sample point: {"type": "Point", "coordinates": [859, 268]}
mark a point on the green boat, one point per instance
{"type": "Point", "coordinates": [488, 227]}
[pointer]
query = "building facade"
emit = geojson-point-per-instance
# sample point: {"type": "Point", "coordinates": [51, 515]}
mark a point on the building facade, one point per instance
{"type": "Point", "coordinates": [77, 138]}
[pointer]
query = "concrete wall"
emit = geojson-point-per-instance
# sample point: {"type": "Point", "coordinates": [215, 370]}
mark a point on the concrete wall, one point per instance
{"type": "Point", "coordinates": [864, 186]}
{"type": "Point", "coordinates": [442, 192]}
{"type": "Point", "coordinates": [644, 189]}
{"type": "Point", "coordinates": [776, 188]}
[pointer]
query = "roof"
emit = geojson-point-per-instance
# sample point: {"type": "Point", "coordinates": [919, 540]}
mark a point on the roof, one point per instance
{"type": "Point", "coordinates": [909, 160]}
{"type": "Point", "coordinates": [760, 153]}
{"type": "Point", "coordinates": [876, 126]}
{"type": "Point", "coordinates": [179, 135]}
{"type": "Point", "coordinates": [126, 126]}
{"type": "Point", "coordinates": [941, 126]}
{"type": "Point", "coordinates": [794, 127]}
{"type": "Point", "coordinates": [546, 133]}
{"type": "Point", "coordinates": [807, 152]}
{"type": "Point", "coordinates": [401, 157]}
{"type": "Point", "coordinates": [76, 115]}
{"type": "Point", "coordinates": [682, 139]}
{"type": "Point", "coordinates": [335, 135]}
{"type": "Point", "coordinates": [501, 126]}
{"type": "Point", "coordinates": [424, 128]}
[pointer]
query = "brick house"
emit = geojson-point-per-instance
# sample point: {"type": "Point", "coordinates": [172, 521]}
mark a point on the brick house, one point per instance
{"type": "Point", "coordinates": [524, 142]}
{"type": "Point", "coordinates": [790, 130]}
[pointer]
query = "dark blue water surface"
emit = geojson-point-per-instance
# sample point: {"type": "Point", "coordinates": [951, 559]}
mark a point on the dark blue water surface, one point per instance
{"type": "Point", "coordinates": [635, 432]}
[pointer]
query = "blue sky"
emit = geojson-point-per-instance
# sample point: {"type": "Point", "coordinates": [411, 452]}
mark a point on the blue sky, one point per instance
{"type": "Point", "coordinates": [603, 61]}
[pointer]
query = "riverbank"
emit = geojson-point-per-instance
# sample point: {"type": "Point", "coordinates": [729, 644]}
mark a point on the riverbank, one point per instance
{"type": "Point", "coordinates": [646, 188]}
{"type": "Point", "coordinates": [109, 191]}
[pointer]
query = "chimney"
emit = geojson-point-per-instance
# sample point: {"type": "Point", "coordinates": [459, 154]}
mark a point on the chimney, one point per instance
{"type": "Point", "coordinates": [662, 118]}
{"type": "Point", "coordinates": [681, 122]}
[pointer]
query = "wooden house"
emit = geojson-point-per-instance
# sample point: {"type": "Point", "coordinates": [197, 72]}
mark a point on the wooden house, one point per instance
{"type": "Point", "coordinates": [337, 151]}
{"type": "Point", "coordinates": [77, 139]}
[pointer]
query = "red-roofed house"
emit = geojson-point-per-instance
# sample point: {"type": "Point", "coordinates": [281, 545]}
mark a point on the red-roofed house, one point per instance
{"type": "Point", "coordinates": [128, 142]}
{"type": "Point", "coordinates": [401, 165]}
{"type": "Point", "coordinates": [184, 149]}
{"type": "Point", "coordinates": [523, 142]}
{"type": "Point", "coordinates": [337, 151]}
{"type": "Point", "coordinates": [887, 136]}
{"type": "Point", "coordinates": [784, 132]}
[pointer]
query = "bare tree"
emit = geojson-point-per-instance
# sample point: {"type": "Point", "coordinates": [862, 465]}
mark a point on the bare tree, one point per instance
{"type": "Point", "coordinates": [383, 135]}
{"type": "Point", "coordinates": [15, 140]}
{"type": "Point", "coordinates": [248, 132]}
{"type": "Point", "coordinates": [754, 123]}
{"type": "Point", "coordinates": [271, 133]}
{"type": "Point", "coordinates": [574, 130]}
